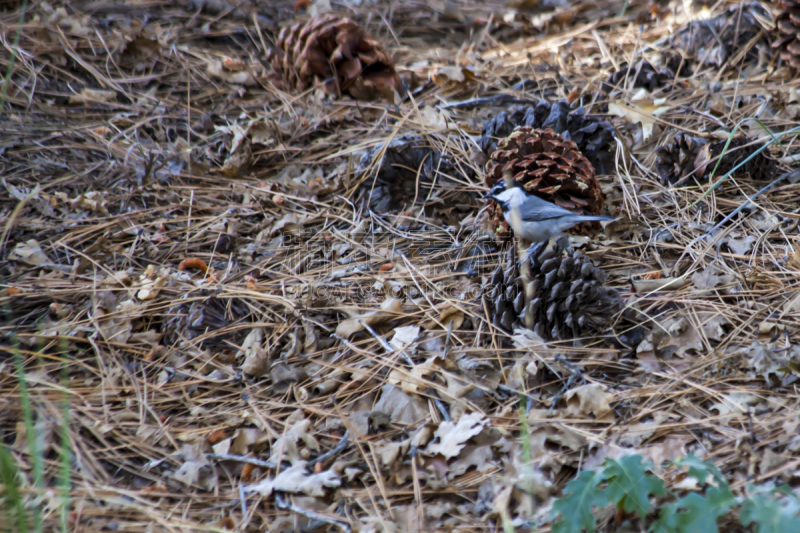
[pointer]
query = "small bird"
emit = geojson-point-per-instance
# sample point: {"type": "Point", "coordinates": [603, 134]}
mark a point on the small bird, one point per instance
{"type": "Point", "coordinates": [532, 218]}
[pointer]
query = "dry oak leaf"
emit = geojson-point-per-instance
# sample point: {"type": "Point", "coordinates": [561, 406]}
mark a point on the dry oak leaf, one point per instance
{"type": "Point", "coordinates": [591, 399]}
{"type": "Point", "coordinates": [641, 111]}
{"type": "Point", "coordinates": [29, 252]}
{"type": "Point", "coordinates": [390, 309]}
{"type": "Point", "coordinates": [414, 382]}
{"type": "Point", "coordinates": [295, 479]}
{"type": "Point", "coordinates": [454, 436]}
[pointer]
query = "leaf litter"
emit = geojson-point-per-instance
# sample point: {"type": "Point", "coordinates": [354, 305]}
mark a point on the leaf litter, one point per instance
{"type": "Point", "coordinates": [267, 285]}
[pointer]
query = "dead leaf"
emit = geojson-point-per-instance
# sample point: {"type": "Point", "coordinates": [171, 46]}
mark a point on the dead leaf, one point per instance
{"type": "Point", "coordinates": [390, 309]}
{"type": "Point", "coordinates": [29, 252]}
{"type": "Point", "coordinates": [642, 111]}
{"type": "Point", "coordinates": [93, 96]}
{"type": "Point", "coordinates": [454, 436]}
{"type": "Point", "coordinates": [711, 277]}
{"type": "Point", "coordinates": [401, 407]}
{"type": "Point", "coordinates": [295, 479]}
{"type": "Point", "coordinates": [256, 360]}
{"type": "Point", "coordinates": [591, 399]}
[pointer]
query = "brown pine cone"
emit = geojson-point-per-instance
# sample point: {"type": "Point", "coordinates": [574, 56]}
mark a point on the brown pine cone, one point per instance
{"type": "Point", "coordinates": [561, 296]}
{"type": "Point", "coordinates": [760, 167]}
{"type": "Point", "coordinates": [204, 320]}
{"type": "Point", "coordinates": [549, 167]}
{"type": "Point", "coordinates": [787, 24]}
{"type": "Point", "coordinates": [675, 160]}
{"type": "Point", "coordinates": [336, 52]}
{"type": "Point", "coordinates": [594, 137]}
{"type": "Point", "coordinates": [714, 41]}
{"type": "Point", "coordinates": [688, 157]}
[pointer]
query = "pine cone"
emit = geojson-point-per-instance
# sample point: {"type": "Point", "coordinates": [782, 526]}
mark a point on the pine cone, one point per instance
{"type": "Point", "coordinates": [686, 156]}
{"type": "Point", "coordinates": [562, 296]}
{"type": "Point", "coordinates": [760, 167]}
{"type": "Point", "coordinates": [204, 316]}
{"type": "Point", "coordinates": [337, 52]}
{"type": "Point", "coordinates": [787, 24]}
{"type": "Point", "coordinates": [594, 137]}
{"type": "Point", "coordinates": [643, 74]}
{"type": "Point", "coordinates": [403, 170]}
{"type": "Point", "coordinates": [675, 160]}
{"type": "Point", "coordinates": [715, 40]}
{"type": "Point", "coordinates": [549, 167]}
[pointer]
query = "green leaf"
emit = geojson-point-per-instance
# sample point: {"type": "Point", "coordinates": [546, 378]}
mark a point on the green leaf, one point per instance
{"type": "Point", "coordinates": [769, 516]}
{"type": "Point", "coordinates": [702, 470]}
{"type": "Point", "coordinates": [581, 495]}
{"type": "Point", "coordinates": [630, 485]}
{"type": "Point", "coordinates": [694, 513]}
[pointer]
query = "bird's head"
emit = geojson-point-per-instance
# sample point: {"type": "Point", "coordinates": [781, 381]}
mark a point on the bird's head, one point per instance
{"type": "Point", "coordinates": [497, 190]}
{"type": "Point", "coordinates": [502, 194]}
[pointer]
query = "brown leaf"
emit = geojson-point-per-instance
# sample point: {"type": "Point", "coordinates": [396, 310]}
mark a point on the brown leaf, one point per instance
{"type": "Point", "coordinates": [390, 309]}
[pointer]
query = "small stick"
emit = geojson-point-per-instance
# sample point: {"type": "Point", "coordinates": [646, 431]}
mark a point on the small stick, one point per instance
{"type": "Point", "coordinates": [242, 459]}
{"type": "Point", "coordinates": [281, 503]}
{"type": "Point", "coordinates": [327, 455]}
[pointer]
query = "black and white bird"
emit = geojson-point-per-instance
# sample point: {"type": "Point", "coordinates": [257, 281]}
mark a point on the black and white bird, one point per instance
{"type": "Point", "coordinates": [532, 218]}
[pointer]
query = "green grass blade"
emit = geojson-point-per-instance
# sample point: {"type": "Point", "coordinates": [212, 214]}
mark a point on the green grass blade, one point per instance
{"type": "Point", "coordinates": [7, 80]}
{"type": "Point", "coordinates": [66, 454]}
{"type": "Point", "coordinates": [11, 495]}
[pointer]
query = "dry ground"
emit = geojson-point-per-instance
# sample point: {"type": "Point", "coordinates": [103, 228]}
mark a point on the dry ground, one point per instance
{"type": "Point", "coordinates": [138, 135]}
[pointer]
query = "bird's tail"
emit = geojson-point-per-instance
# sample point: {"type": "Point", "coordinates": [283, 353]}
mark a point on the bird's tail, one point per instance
{"type": "Point", "coordinates": [593, 218]}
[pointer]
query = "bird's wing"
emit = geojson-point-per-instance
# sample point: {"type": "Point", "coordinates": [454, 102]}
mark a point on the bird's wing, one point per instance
{"type": "Point", "coordinates": [531, 213]}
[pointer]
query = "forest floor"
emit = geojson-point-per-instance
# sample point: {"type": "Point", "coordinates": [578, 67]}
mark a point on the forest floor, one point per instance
{"type": "Point", "coordinates": [215, 317]}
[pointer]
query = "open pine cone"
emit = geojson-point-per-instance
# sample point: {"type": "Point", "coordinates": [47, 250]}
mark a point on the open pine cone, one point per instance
{"type": "Point", "coordinates": [787, 23]}
{"type": "Point", "coordinates": [204, 320]}
{"type": "Point", "coordinates": [675, 160]}
{"type": "Point", "coordinates": [691, 157]}
{"type": "Point", "coordinates": [760, 167]}
{"type": "Point", "coordinates": [715, 40]}
{"type": "Point", "coordinates": [561, 296]}
{"type": "Point", "coordinates": [548, 166]}
{"type": "Point", "coordinates": [594, 137]}
{"type": "Point", "coordinates": [337, 52]}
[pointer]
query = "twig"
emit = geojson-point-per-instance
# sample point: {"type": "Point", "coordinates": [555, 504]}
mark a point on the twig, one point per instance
{"type": "Point", "coordinates": [242, 459]}
{"type": "Point", "coordinates": [336, 450]}
{"type": "Point", "coordinates": [281, 503]}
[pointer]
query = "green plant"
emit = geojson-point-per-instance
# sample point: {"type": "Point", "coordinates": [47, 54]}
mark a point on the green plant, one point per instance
{"type": "Point", "coordinates": [8, 475]}
{"type": "Point", "coordinates": [626, 483]}
{"type": "Point", "coordinates": [629, 486]}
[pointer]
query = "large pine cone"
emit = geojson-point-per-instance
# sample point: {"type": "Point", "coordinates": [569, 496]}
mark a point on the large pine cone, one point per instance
{"type": "Point", "coordinates": [548, 166]}
{"type": "Point", "coordinates": [760, 167]}
{"type": "Point", "coordinates": [691, 157]}
{"type": "Point", "coordinates": [561, 296]}
{"type": "Point", "coordinates": [337, 52]}
{"type": "Point", "coordinates": [409, 166]}
{"type": "Point", "coordinates": [594, 137]}
{"type": "Point", "coordinates": [787, 23]}
{"type": "Point", "coordinates": [714, 41]}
